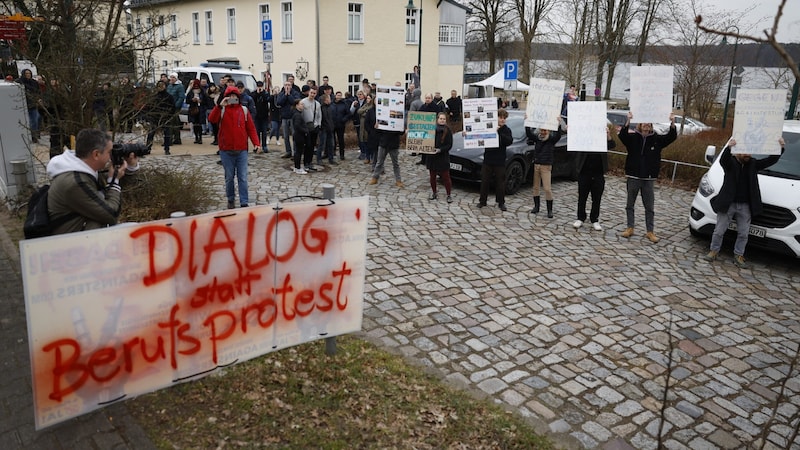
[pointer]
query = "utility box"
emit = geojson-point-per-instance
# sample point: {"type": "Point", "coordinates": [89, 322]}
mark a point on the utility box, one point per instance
{"type": "Point", "coordinates": [16, 157]}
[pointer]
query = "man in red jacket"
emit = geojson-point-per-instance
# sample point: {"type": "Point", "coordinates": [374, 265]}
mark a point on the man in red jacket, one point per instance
{"type": "Point", "coordinates": [235, 125]}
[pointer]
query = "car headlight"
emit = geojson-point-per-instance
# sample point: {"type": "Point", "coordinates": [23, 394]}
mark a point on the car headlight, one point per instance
{"type": "Point", "coordinates": [705, 189]}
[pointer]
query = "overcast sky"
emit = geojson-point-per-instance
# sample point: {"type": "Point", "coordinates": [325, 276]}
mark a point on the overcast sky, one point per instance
{"type": "Point", "coordinates": [763, 16]}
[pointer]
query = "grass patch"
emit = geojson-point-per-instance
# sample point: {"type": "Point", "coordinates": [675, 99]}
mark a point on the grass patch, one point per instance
{"type": "Point", "coordinates": [363, 397]}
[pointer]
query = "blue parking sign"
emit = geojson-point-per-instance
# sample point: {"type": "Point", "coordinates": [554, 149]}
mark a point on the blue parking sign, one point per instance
{"type": "Point", "coordinates": [266, 30]}
{"type": "Point", "coordinates": [510, 70]}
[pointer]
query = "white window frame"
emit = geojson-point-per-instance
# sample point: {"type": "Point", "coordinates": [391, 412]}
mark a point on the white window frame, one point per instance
{"type": "Point", "coordinates": [208, 15]}
{"type": "Point", "coordinates": [195, 27]}
{"type": "Point", "coordinates": [173, 19]}
{"type": "Point", "coordinates": [287, 28]}
{"type": "Point", "coordinates": [354, 82]}
{"type": "Point", "coordinates": [412, 30]}
{"type": "Point", "coordinates": [355, 22]}
{"type": "Point", "coordinates": [230, 15]}
{"type": "Point", "coordinates": [451, 34]}
{"type": "Point", "coordinates": [162, 30]}
{"type": "Point", "coordinates": [151, 30]}
{"type": "Point", "coordinates": [263, 12]}
{"type": "Point", "coordinates": [138, 27]}
{"type": "Point", "coordinates": [165, 66]}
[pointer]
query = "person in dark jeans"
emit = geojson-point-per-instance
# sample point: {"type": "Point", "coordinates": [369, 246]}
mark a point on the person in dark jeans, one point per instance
{"type": "Point", "coordinates": [494, 164]}
{"type": "Point", "coordinates": [592, 167]}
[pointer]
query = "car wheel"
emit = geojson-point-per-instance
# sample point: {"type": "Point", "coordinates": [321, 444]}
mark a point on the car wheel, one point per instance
{"type": "Point", "coordinates": [515, 176]}
{"type": "Point", "coordinates": [696, 233]}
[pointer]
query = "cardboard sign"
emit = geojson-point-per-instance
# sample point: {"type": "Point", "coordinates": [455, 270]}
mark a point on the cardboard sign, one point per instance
{"type": "Point", "coordinates": [587, 127]}
{"type": "Point", "coordinates": [390, 108]}
{"type": "Point", "coordinates": [127, 310]}
{"type": "Point", "coordinates": [758, 122]}
{"type": "Point", "coordinates": [480, 123]}
{"type": "Point", "coordinates": [421, 132]}
{"type": "Point", "coordinates": [545, 98]}
{"type": "Point", "coordinates": [651, 93]}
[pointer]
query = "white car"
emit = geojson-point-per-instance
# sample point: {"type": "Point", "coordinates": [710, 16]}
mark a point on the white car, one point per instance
{"type": "Point", "coordinates": [691, 126]}
{"type": "Point", "coordinates": [777, 228]}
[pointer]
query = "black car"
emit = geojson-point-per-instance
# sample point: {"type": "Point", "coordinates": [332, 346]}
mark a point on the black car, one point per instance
{"type": "Point", "coordinates": [465, 163]}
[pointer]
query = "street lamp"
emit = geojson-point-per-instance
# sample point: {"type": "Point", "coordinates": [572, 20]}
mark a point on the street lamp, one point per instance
{"type": "Point", "coordinates": [410, 6]}
{"type": "Point", "coordinates": [730, 78]}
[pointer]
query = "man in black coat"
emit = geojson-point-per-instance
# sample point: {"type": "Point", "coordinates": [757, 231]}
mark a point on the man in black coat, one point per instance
{"type": "Point", "coordinates": [739, 199]}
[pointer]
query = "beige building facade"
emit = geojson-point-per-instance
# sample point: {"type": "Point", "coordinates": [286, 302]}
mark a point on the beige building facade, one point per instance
{"type": "Point", "coordinates": [347, 41]}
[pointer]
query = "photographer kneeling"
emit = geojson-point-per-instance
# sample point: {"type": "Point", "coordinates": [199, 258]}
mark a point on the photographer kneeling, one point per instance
{"type": "Point", "coordinates": [76, 189]}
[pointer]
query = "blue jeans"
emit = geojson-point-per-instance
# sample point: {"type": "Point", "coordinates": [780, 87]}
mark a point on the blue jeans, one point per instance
{"type": "Point", "coordinates": [262, 129]}
{"type": "Point", "coordinates": [647, 187]}
{"type": "Point", "coordinates": [235, 164]}
{"type": "Point", "coordinates": [740, 212]}
{"type": "Point", "coordinates": [33, 118]}
{"type": "Point", "coordinates": [288, 132]}
{"type": "Point", "coordinates": [325, 145]}
{"type": "Point", "coordinates": [276, 126]}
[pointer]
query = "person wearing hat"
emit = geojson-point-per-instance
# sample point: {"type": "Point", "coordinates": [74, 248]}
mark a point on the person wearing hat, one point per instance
{"type": "Point", "coordinates": [261, 99]}
{"type": "Point", "coordinates": [235, 125]}
{"type": "Point", "coordinates": [246, 99]}
{"type": "Point", "coordinates": [178, 92]}
{"type": "Point", "coordinates": [198, 104]}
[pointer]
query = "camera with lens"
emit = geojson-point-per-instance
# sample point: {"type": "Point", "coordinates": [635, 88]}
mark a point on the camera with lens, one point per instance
{"type": "Point", "coordinates": [121, 151]}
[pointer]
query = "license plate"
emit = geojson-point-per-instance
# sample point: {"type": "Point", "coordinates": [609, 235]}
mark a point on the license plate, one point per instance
{"type": "Point", "coordinates": [454, 166]}
{"type": "Point", "coordinates": [753, 231]}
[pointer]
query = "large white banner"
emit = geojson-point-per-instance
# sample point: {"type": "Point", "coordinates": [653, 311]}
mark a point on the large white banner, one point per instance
{"type": "Point", "coordinates": [759, 121]}
{"type": "Point", "coordinates": [545, 98]}
{"type": "Point", "coordinates": [390, 108]}
{"type": "Point", "coordinates": [588, 126]}
{"type": "Point", "coordinates": [480, 123]}
{"type": "Point", "coordinates": [651, 94]}
{"type": "Point", "coordinates": [126, 310]}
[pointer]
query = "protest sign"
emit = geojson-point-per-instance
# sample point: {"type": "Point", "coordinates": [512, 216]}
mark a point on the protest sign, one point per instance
{"type": "Point", "coordinates": [421, 132]}
{"type": "Point", "coordinates": [390, 108]}
{"type": "Point", "coordinates": [480, 123]}
{"type": "Point", "coordinates": [123, 311]}
{"type": "Point", "coordinates": [588, 127]}
{"type": "Point", "coordinates": [651, 93]}
{"type": "Point", "coordinates": [545, 98]}
{"type": "Point", "coordinates": [758, 121]}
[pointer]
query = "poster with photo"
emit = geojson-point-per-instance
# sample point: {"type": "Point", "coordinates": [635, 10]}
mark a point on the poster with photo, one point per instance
{"type": "Point", "coordinates": [651, 93]}
{"type": "Point", "coordinates": [590, 119]}
{"type": "Point", "coordinates": [480, 122]}
{"type": "Point", "coordinates": [758, 122]}
{"type": "Point", "coordinates": [390, 108]}
{"type": "Point", "coordinates": [544, 103]}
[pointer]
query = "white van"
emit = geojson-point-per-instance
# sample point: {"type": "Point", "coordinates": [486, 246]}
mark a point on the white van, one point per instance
{"type": "Point", "coordinates": [777, 228]}
{"type": "Point", "coordinates": [213, 71]}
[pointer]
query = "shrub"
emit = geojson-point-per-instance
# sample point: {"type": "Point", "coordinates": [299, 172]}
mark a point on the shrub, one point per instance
{"type": "Point", "coordinates": [158, 191]}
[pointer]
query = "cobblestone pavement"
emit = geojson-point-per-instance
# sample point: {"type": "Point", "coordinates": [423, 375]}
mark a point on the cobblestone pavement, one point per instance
{"type": "Point", "coordinates": [578, 330]}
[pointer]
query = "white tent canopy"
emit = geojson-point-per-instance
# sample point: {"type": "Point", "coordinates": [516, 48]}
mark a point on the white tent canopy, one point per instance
{"type": "Point", "coordinates": [496, 82]}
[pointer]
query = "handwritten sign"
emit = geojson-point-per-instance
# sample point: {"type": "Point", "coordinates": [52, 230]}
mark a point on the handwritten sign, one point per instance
{"type": "Point", "coordinates": [421, 132]}
{"type": "Point", "coordinates": [544, 103]}
{"type": "Point", "coordinates": [390, 108]}
{"type": "Point", "coordinates": [651, 93]}
{"type": "Point", "coordinates": [587, 127]}
{"type": "Point", "coordinates": [758, 122]}
{"type": "Point", "coordinates": [126, 310]}
{"type": "Point", "coordinates": [480, 122]}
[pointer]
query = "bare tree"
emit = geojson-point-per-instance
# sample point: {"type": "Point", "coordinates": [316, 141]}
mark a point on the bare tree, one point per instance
{"type": "Point", "coordinates": [529, 16]}
{"type": "Point", "coordinates": [489, 21]}
{"type": "Point", "coordinates": [574, 25]}
{"type": "Point", "coordinates": [768, 38]}
{"type": "Point", "coordinates": [76, 46]}
{"type": "Point", "coordinates": [612, 18]}
{"type": "Point", "coordinates": [649, 14]}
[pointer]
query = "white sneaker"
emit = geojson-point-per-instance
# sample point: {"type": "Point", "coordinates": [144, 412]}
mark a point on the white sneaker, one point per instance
{"type": "Point", "coordinates": [597, 226]}
{"type": "Point", "coordinates": [577, 223]}
{"type": "Point", "coordinates": [300, 171]}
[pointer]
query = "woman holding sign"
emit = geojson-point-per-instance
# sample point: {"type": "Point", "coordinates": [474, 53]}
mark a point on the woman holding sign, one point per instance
{"type": "Point", "coordinates": [439, 162]}
{"type": "Point", "coordinates": [642, 166]}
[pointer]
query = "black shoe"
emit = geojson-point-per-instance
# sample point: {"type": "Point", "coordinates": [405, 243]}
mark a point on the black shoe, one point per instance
{"type": "Point", "coordinates": [244, 205]}
{"type": "Point", "coordinates": [166, 152]}
{"type": "Point", "coordinates": [178, 142]}
{"type": "Point", "coordinates": [502, 207]}
{"type": "Point", "coordinates": [419, 163]}
{"type": "Point", "coordinates": [219, 162]}
{"type": "Point", "coordinates": [215, 142]}
{"type": "Point", "coordinates": [286, 155]}
{"type": "Point", "coordinates": [481, 204]}
{"type": "Point", "coordinates": [332, 162]}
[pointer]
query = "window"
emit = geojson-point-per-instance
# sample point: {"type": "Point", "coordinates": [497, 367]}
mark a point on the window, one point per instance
{"type": "Point", "coordinates": [195, 27]}
{"type": "Point", "coordinates": [151, 31]}
{"type": "Point", "coordinates": [355, 22]}
{"type": "Point", "coordinates": [165, 66]}
{"type": "Point", "coordinates": [411, 26]}
{"type": "Point", "coordinates": [231, 25]}
{"type": "Point", "coordinates": [286, 21]}
{"type": "Point", "coordinates": [451, 34]}
{"type": "Point", "coordinates": [209, 29]}
{"type": "Point", "coordinates": [162, 32]}
{"type": "Point", "coordinates": [263, 12]}
{"type": "Point", "coordinates": [354, 82]}
{"type": "Point", "coordinates": [138, 26]}
{"type": "Point", "coordinates": [173, 20]}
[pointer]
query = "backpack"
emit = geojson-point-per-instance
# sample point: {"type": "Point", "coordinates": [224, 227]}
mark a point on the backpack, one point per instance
{"type": "Point", "coordinates": [37, 223]}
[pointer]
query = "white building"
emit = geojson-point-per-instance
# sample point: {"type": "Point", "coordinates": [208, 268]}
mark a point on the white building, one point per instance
{"type": "Point", "coordinates": [344, 40]}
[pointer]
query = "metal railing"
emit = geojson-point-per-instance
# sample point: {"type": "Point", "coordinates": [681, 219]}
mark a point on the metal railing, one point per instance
{"type": "Point", "coordinates": [675, 164]}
